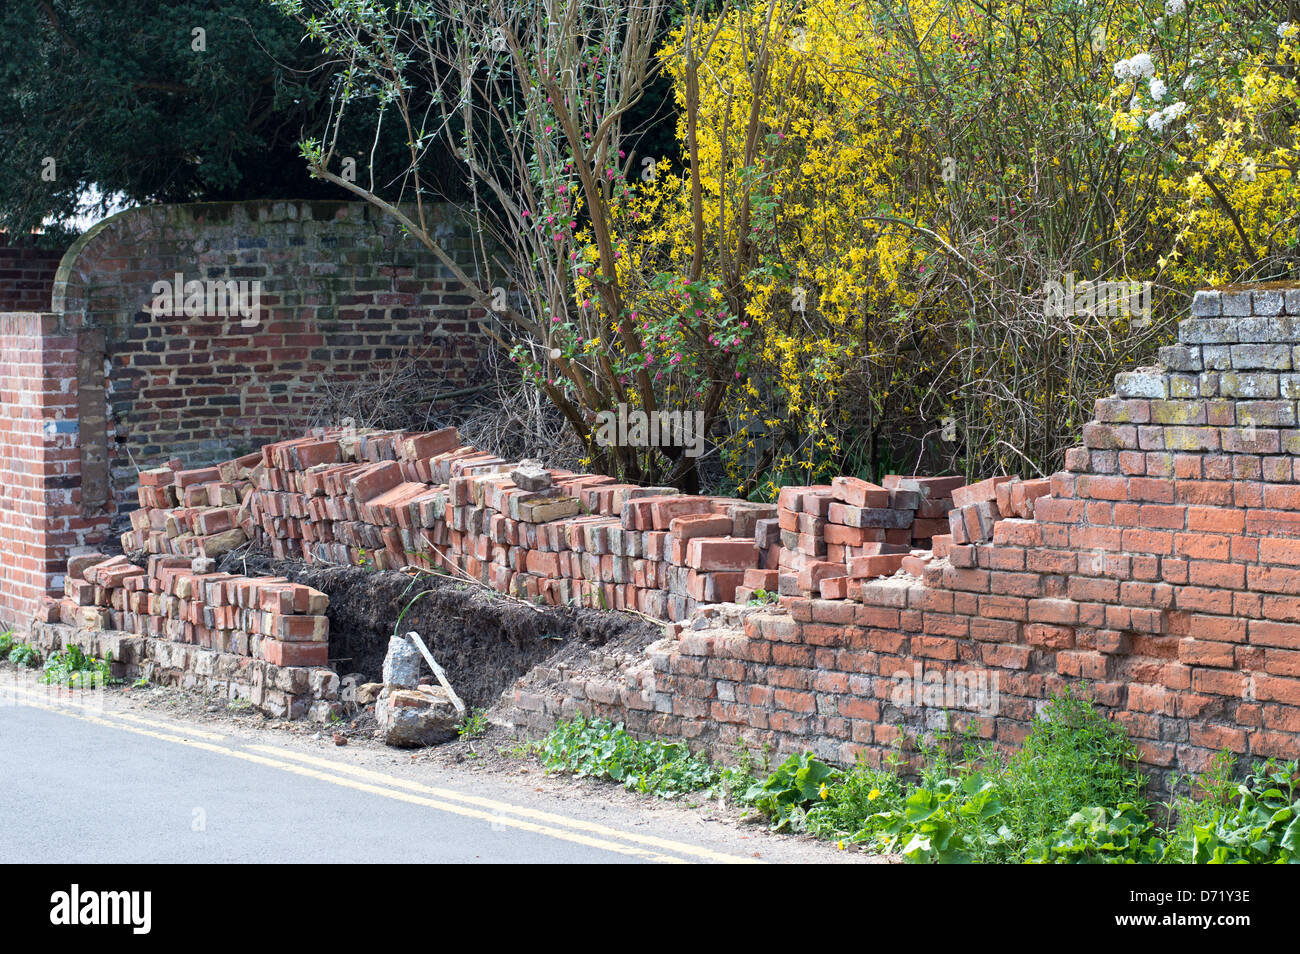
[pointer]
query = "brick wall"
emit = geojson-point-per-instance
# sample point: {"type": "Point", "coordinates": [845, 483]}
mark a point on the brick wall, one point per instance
{"type": "Point", "coordinates": [343, 296]}
{"type": "Point", "coordinates": [27, 277]}
{"type": "Point", "coordinates": [39, 498]}
{"type": "Point", "coordinates": [1162, 568]}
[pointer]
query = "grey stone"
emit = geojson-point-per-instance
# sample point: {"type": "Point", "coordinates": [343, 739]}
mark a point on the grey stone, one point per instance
{"type": "Point", "coordinates": [1267, 302]}
{"type": "Point", "coordinates": [1181, 357]}
{"type": "Point", "coordinates": [1206, 304]}
{"type": "Point", "coordinates": [402, 664]}
{"type": "Point", "coordinates": [1237, 304]}
{"type": "Point", "coordinates": [1292, 300]}
{"type": "Point", "coordinates": [1256, 357]}
{"type": "Point", "coordinates": [202, 565]}
{"type": "Point", "coordinates": [531, 475]}
{"type": "Point", "coordinates": [1268, 330]}
{"type": "Point", "coordinates": [1142, 383]}
{"type": "Point", "coordinates": [410, 718]}
{"type": "Point", "coordinates": [1217, 357]}
{"type": "Point", "coordinates": [1207, 331]}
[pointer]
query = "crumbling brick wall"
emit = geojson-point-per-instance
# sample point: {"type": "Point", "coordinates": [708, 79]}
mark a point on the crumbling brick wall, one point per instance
{"type": "Point", "coordinates": [1162, 568]}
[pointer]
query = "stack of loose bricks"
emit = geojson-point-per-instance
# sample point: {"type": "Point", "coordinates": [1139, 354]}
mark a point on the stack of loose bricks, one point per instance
{"type": "Point", "coordinates": [827, 539]}
{"type": "Point", "coordinates": [393, 499]}
{"type": "Point", "coordinates": [186, 519]}
{"type": "Point", "coordinates": [181, 599]}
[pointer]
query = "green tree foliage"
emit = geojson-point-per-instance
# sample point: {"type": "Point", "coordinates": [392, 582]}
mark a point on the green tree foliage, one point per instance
{"type": "Point", "coordinates": [127, 96]}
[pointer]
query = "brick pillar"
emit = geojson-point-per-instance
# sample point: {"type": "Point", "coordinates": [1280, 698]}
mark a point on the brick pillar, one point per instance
{"type": "Point", "coordinates": [40, 461]}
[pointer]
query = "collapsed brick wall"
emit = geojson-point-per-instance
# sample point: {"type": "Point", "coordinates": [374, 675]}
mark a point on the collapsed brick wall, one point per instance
{"type": "Point", "coordinates": [1162, 568]}
{"type": "Point", "coordinates": [344, 297]}
{"type": "Point", "coordinates": [27, 277]}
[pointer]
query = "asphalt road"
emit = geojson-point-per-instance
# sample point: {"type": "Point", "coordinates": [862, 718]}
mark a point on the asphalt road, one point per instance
{"type": "Point", "coordinates": [113, 783]}
{"type": "Point", "coordinates": [90, 793]}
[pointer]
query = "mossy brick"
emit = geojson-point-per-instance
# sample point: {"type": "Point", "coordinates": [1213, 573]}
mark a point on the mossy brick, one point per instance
{"type": "Point", "coordinates": [1110, 410]}
{"type": "Point", "coordinates": [1266, 413]}
{"type": "Point", "coordinates": [1177, 412]}
{"type": "Point", "coordinates": [1184, 386]}
{"type": "Point", "coordinates": [1203, 331]}
{"type": "Point", "coordinates": [1250, 440]}
{"type": "Point", "coordinates": [1249, 384]}
{"type": "Point", "coordinates": [1220, 413]}
{"type": "Point", "coordinates": [1190, 439]}
{"type": "Point", "coordinates": [1288, 386]}
{"type": "Point", "coordinates": [1265, 357]}
{"type": "Point", "coordinates": [1110, 436]}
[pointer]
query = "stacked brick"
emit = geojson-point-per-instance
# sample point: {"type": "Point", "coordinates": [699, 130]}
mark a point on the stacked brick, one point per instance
{"type": "Point", "coordinates": [390, 499]}
{"type": "Point", "coordinates": [393, 499]}
{"type": "Point", "coordinates": [193, 513]}
{"type": "Point", "coordinates": [977, 508]}
{"type": "Point", "coordinates": [180, 599]}
{"type": "Point", "coordinates": [832, 536]}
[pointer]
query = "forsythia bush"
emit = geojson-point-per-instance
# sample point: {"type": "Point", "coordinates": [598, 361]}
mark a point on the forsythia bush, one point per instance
{"type": "Point", "coordinates": [886, 192]}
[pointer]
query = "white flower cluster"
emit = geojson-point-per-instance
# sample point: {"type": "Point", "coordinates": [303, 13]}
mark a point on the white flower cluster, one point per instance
{"type": "Point", "coordinates": [1157, 87]}
{"type": "Point", "coordinates": [1136, 67]}
{"type": "Point", "coordinates": [1161, 118]}
{"type": "Point", "coordinates": [1175, 7]}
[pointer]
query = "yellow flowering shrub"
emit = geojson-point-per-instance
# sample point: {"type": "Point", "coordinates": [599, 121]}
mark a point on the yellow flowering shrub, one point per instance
{"type": "Point", "coordinates": [887, 192]}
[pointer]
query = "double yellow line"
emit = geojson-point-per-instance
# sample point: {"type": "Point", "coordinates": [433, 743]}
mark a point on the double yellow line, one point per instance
{"type": "Point", "coordinates": [497, 813]}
